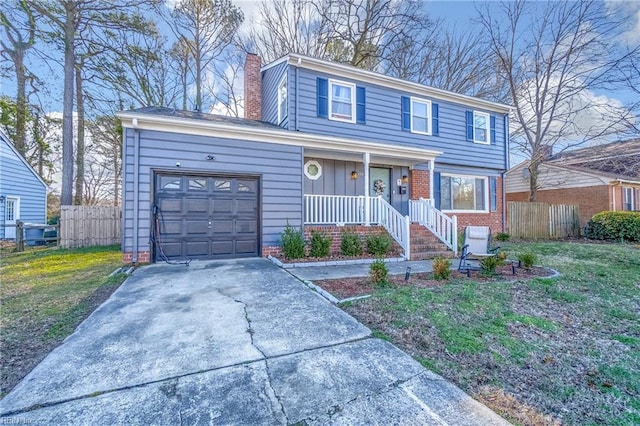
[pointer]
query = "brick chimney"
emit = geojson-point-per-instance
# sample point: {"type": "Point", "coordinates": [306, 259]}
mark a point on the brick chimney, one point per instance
{"type": "Point", "coordinates": [252, 87]}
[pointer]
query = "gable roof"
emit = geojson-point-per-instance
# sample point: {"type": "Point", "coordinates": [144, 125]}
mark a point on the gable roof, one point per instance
{"type": "Point", "coordinates": [212, 118]}
{"type": "Point", "coordinates": [616, 160]}
{"type": "Point", "coordinates": [7, 141]}
{"type": "Point", "coordinates": [348, 71]}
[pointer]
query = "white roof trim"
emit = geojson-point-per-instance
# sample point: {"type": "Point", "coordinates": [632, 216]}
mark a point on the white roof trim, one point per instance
{"type": "Point", "coordinates": [284, 137]}
{"type": "Point", "coordinates": [347, 71]}
{"type": "Point", "coordinates": [630, 182]}
{"type": "Point", "coordinates": [6, 139]}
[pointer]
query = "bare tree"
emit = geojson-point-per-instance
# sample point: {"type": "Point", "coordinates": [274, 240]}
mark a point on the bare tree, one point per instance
{"type": "Point", "coordinates": [226, 86]}
{"type": "Point", "coordinates": [180, 53]}
{"type": "Point", "coordinates": [19, 25]}
{"type": "Point", "coordinates": [551, 57]}
{"type": "Point", "coordinates": [207, 27]}
{"type": "Point", "coordinates": [107, 148]}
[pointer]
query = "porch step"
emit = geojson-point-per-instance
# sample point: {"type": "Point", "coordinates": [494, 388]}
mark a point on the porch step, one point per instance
{"type": "Point", "coordinates": [425, 245]}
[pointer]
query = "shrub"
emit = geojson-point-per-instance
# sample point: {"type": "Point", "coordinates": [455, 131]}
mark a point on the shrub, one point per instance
{"type": "Point", "coordinates": [320, 244]}
{"type": "Point", "coordinates": [527, 259]}
{"type": "Point", "coordinates": [292, 243]}
{"type": "Point", "coordinates": [350, 244]}
{"type": "Point", "coordinates": [441, 268]}
{"type": "Point", "coordinates": [488, 265]}
{"type": "Point", "coordinates": [502, 236]}
{"type": "Point", "coordinates": [378, 244]}
{"type": "Point", "coordinates": [378, 272]}
{"type": "Point", "coordinates": [502, 258]}
{"type": "Point", "coordinates": [614, 226]}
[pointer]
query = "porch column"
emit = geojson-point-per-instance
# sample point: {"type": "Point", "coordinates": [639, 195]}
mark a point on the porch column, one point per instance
{"type": "Point", "coordinates": [432, 165]}
{"type": "Point", "coordinates": [366, 157]}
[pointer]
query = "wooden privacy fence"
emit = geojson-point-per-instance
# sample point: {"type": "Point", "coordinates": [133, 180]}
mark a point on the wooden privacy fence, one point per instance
{"type": "Point", "coordinates": [542, 220]}
{"type": "Point", "coordinates": [84, 226]}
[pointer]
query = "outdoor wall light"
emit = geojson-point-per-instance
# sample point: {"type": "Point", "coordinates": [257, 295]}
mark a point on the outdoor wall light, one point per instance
{"type": "Point", "coordinates": [354, 175]}
{"type": "Point", "coordinates": [405, 179]}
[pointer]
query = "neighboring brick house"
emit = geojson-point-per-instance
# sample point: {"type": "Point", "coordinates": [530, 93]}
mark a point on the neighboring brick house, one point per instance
{"type": "Point", "coordinates": [598, 178]}
{"type": "Point", "coordinates": [321, 144]}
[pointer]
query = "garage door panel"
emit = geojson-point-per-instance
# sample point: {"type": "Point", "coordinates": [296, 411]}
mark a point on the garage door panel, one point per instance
{"type": "Point", "coordinates": [246, 246]}
{"type": "Point", "coordinates": [222, 227]}
{"type": "Point", "coordinates": [207, 217]}
{"type": "Point", "coordinates": [222, 247]}
{"type": "Point", "coordinates": [246, 226]}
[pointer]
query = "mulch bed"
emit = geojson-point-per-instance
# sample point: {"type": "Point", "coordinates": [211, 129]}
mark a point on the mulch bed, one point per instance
{"type": "Point", "coordinates": [352, 287]}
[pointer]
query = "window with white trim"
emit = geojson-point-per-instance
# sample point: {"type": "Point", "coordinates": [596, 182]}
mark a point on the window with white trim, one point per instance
{"type": "Point", "coordinates": [283, 108]}
{"type": "Point", "coordinates": [342, 102]}
{"type": "Point", "coordinates": [312, 170]}
{"type": "Point", "coordinates": [481, 127]}
{"type": "Point", "coordinates": [420, 116]}
{"type": "Point", "coordinates": [464, 193]}
{"type": "Point", "coordinates": [628, 199]}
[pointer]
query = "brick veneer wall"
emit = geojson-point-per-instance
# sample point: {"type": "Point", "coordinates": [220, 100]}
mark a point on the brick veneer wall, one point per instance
{"type": "Point", "coordinates": [419, 184]}
{"type": "Point", "coordinates": [252, 87]}
{"type": "Point", "coordinates": [143, 257]}
{"type": "Point", "coordinates": [591, 199]}
{"type": "Point", "coordinates": [335, 232]}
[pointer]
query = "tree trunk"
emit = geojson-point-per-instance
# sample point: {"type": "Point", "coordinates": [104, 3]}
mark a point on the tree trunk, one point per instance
{"type": "Point", "coordinates": [534, 168]}
{"type": "Point", "coordinates": [78, 198]}
{"type": "Point", "coordinates": [21, 104]}
{"type": "Point", "coordinates": [66, 194]}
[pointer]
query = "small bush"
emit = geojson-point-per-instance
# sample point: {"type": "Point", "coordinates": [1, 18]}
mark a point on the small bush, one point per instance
{"type": "Point", "coordinates": [320, 244]}
{"type": "Point", "coordinates": [441, 268]}
{"type": "Point", "coordinates": [527, 259]}
{"type": "Point", "coordinates": [619, 226]}
{"type": "Point", "coordinates": [292, 243]}
{"type": "Point", "coordinates": [502, 258]}
{"type": "Point", "coordinates": [378, 245]}
{"type": "Point", "coordinates": [378, 272]}
{"type": "Point", "coordinates": [488, 265]}
{"type": "Point", "coordinates": [502, 236]}
{"type": "Point", "coordinates": [350, 244]}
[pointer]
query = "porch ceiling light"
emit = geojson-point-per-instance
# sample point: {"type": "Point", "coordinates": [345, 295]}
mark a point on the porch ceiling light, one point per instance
{"type": "Point", "coordinates": [354, 175]}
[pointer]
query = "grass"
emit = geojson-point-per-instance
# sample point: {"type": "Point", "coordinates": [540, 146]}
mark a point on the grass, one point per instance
{"type": "Point", "coordinates": [45, 294]}
{"type": "Point", "coordinates": [567, 347]}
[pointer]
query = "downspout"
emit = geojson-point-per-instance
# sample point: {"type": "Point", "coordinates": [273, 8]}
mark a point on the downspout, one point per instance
{"type": "Point", "coordinates": [432, 166]}
{"type": "Point", "coordinates": [136, 189]}
{"type": "Point", "coordinates": [296, 96]}
{"type": "Point", "coordinates": [504, 173]}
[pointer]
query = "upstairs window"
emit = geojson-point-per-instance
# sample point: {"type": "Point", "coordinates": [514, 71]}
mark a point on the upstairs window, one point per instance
{"type": "Point", "coordinates": [342, 106]}
{"type": "Point", "coordinates": [419, 116]}
{"type": "Point", "coordinates": [341, 101]}
{"type": "Point", "coordinates": [283, 108]}
{"type": "Point", "coordinates": [481, 127]}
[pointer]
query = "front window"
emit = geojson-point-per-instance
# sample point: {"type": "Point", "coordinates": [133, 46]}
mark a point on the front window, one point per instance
{"type": "Point", "coordinates": [628, 199]}
{"type": "Point", "coordinates": [481, 127]}
{"type": "Point", "coordinates": [342, 105]}
{"type": "Point", "coordinates": [282, 100]}
{"type": "Point", "coordinates": [465, 193]}
{"type": "Point", "coordinates": [420, 113]}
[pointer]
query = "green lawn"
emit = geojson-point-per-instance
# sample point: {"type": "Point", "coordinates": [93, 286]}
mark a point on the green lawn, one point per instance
{"type": "Point", "coordinates": [566, 348]}
{"type": "Point", "coordinates": [45, 294]}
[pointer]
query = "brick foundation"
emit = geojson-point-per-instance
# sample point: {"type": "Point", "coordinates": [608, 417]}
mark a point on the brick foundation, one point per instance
{"type": "Point", "coordinates": [143, 257]}
{"type": "Point", "coordinates": [419, 184]}
{"type": "Point", "coordinates": [591, 199]}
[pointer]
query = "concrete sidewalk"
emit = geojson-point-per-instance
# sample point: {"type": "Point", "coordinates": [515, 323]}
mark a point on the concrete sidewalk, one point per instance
{"type": "Point", "coordinates": [230, 342]}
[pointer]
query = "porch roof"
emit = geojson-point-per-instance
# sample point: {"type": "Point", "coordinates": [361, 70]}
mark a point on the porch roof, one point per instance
{"type": "Point", "coordinates": [168, 120]}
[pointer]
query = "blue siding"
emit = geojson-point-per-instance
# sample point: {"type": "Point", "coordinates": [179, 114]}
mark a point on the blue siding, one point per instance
{"type": "Point", "coordinates": [270, 80]}
{"type": "Point", "coordinates": [279, 168]}
{"type": "Point", "coordinates": [384, 124]}
{"type": "Point", "coordinates": [19, 180]}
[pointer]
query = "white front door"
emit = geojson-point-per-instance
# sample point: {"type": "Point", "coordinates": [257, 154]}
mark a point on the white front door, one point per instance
{"type": "Point", "coordinates": [11, 215]}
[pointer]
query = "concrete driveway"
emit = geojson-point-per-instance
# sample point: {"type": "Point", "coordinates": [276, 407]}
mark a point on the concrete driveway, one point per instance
{"type": "Point", "coordinates": [230, 342]}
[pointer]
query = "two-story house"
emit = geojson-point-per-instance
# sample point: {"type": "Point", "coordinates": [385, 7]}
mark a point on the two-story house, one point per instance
{"type": "Point", "coordinates": [321, 144]}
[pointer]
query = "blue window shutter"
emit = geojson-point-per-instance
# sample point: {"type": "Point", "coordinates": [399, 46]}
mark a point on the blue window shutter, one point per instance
{"type": "Point", "coordinates": [436, 189]}
{"type": "Point", "coordinates": [493, 193]}
{"type": "Point", "coordinates": [406, 113]}
{"type": "Point", "coordinates": [435, 125]}
{"type": "Point", "coordinates": [322, 85]}
{"type": "Point", "coordinates": [493, 130]}
{"type": "Point", "coordinates": [361, 96]}
{"type": "Point", "coordinates": [469, 125]}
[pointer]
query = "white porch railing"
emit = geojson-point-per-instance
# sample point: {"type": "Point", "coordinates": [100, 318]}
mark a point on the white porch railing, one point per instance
{"type": "Point", "coordinates": [358, 210]}
{"type": "Point", "coordinates": [444, 227]}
